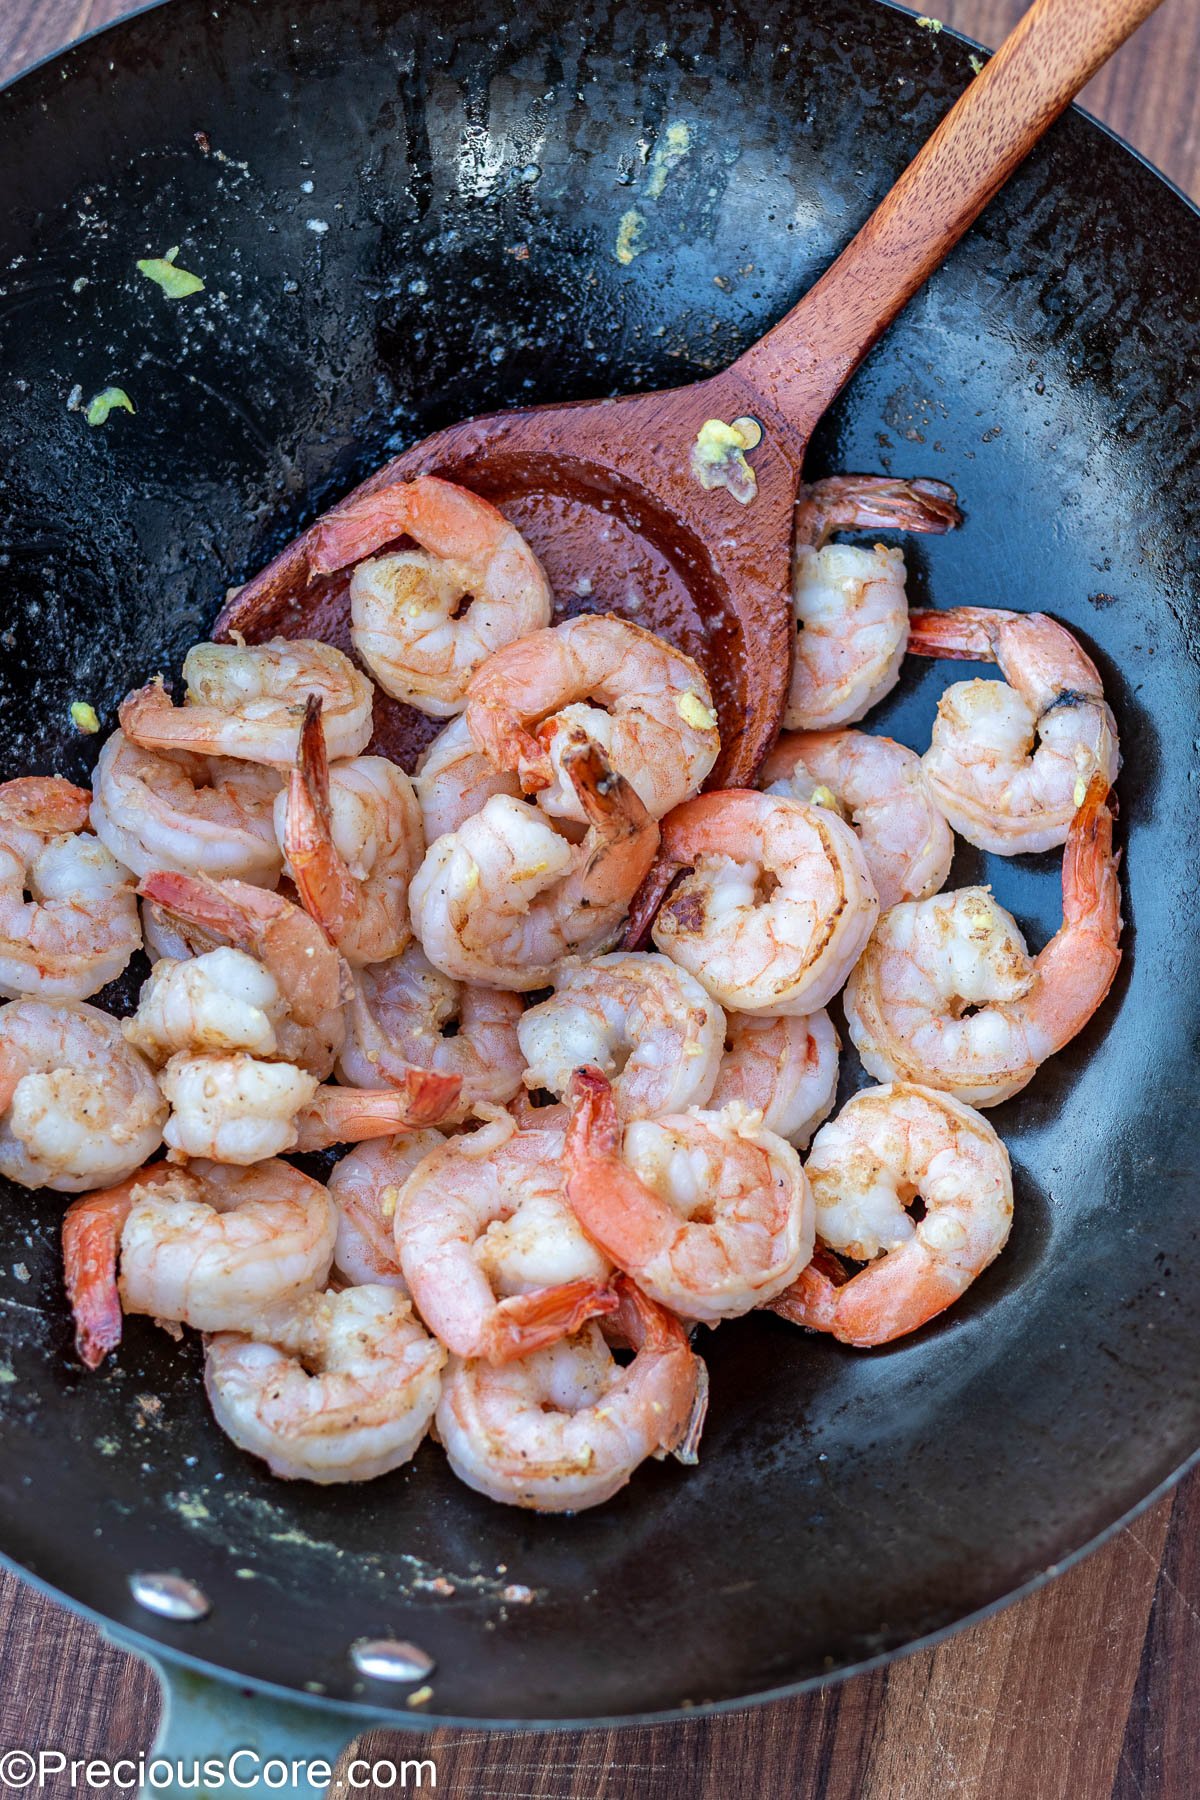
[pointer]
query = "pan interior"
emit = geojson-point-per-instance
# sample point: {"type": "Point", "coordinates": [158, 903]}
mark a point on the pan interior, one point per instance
{"type": "Point", "coordinates": [405, 213]}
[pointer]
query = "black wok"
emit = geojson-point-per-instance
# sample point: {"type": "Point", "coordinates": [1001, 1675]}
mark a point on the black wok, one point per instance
{"type": "Point", "coordinates": [469, 166]}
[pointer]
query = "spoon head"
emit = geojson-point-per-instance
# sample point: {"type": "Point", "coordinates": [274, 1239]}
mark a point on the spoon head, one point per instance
{"type": "Point", "coordinates": [607, 495]}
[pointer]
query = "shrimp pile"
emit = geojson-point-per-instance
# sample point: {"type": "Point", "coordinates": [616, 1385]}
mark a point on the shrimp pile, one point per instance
{"type": "Point", "coordinates": [556, 1018]}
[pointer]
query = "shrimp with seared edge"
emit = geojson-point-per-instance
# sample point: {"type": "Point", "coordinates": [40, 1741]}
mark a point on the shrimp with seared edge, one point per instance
{"type": "Point", "coordinates": [216, 1248]}
{"type": "Point", "coordinates": [494, 1259]}
{"type": "Point", "coordinates": [506, 898]}
{"type": "Point", "coordinates": [406, 1015]}
{"type": "Point", "coordinates": [784, 1068]}
{"type": "Point", "coordinates": [982, 769]}
{"type": "Point", "coordinates": [708, 1212]}
{"type": "Point", "coordinates": [641, 1019]}
{"type": "Point", "coordinates": [455, 779]}
{"type": "Point", "coordinates": [566, 1427]}
{"type": "Point", "coordinates": [366, 1186]}
{"type": "Point", "coordinates": [946, 992]}
{"type": "Point", "coordinates": [645, 704]}
{"type": "Point", "coordinates": [850, 604]}
{"type": "Point", "coordinates": [353, 840]}
{"type": "Point", "coordinates": [170, 809]}
{"type": "Point", "coordinates": [407, 620]}
{"type": "Point", "coordinates": [242, 701]}
{"type": "Point", "coordinates": [79, 1108]}
{"type": "Point", "coordinates": [880, 786]}
{"type": "Point", "coordinates": [68, 913]}
{"type": "Point", "coordinates": [775, 907]}
{"type": "Point", "coordinates": [344, 1391]}
{"type": "Point", "coordinates": [888, 1147]}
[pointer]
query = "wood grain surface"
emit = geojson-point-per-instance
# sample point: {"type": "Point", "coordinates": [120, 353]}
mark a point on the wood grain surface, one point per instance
{"type": "Point", "coordinates": [1089, 1688]}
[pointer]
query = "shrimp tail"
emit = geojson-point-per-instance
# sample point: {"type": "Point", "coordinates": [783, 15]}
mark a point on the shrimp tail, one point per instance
{"type": "Point", "coordinates": [812, 1299]}
{"type": "Point", "coordinates": [91, 1236]}
{"type": "Point", "coordinates": [148, 717]}
{"type": "Point", "coordinates": [961, 633]}
{"type": "Point", "coordinates": [196, 898]}
{"type": "Point", "coordinates": [642, 1325]}
{"type": "Point", "coordinates": [628, 835]}
{"type": "Point", "coordinates": [614, 1206]}
{"type": "Point", "coordinates": [887, 1300]}
{"type": "Point", "coordinates": [350, 532]}
{"type": "Point", "coordinates": [326, 887]}
{"type": "Point", "coordinates": [346, 1115]}
{"type": "Point", "coordinates": [1091, 889]}
{"type": "Point", "coordinates": [527, 1322]}
{"type": "Point", "coordinates": [874, 503]}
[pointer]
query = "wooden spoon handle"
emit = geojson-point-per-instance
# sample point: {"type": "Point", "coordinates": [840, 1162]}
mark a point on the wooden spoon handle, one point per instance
{"type": "Point", "coordinates": [805, 360]}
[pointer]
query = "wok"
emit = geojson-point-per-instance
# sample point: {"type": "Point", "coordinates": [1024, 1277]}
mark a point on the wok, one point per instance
{"type": "Point", "coordinates": [405, 213]}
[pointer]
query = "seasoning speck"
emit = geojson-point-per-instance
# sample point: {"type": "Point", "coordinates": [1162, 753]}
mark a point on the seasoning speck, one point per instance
{"type": "Point", "coordinates": [420, 1696]}
{"type": "Point", "coordinates": [320, 226]}
{"type": "Point", "coordinates": [629, 233]}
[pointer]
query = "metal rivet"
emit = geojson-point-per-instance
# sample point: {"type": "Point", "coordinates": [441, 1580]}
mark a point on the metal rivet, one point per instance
{"type": "Point", "coordinates": [170, 1596]}
{"type": "Point", "coordinates": [390, 1659]}
{"type": "Point", "coordinates": [751, 429]}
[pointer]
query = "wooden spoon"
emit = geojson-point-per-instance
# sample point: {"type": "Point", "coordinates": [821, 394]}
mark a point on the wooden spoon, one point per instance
{"type": "Point", "coordinates": [610, 487]}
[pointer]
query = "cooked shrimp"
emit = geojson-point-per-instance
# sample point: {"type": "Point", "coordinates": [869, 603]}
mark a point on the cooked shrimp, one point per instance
{"type": "Point", "coordinates": [850, 604]}
{"type": "Point", "coordinates": [455, 779]}
{"type": "Point", "coordinates": [947, 994]}
{"type": "Point", "coordinates": [68, 914]}
{"type": "Point", "coordinates": [887, 1146]}
{"type": "Point", "coordinates": [645, 704]}
{"type": "Point", "coordinates": [981, 767]}
{"type": "Point", "coordinates": [566, 1427]}
{"type": "Point", "coordinates": [353, 841]}
{"type": "Point", "coordinates": [644, 1021]}
{"type": "Point", "coordinates": [708, 1212]}
{"type": "Point", "coordinates": [405, 1014]}
{"type": "Point", "coordinates": [345, 1391]}
{"type": "Point", "coordinates": [880, 785]}
{"type": "Point", "coordinates": [168, 809]}
{"type": "Point", "coordinates": [786, 1069]}
{"type": "Point", "coordinates": [243, 700]}
{"type": "Point", "coordinates": [309, 975]}
{"type": "Point", "coordinates": [235, 1108]}
{"type": "Point", "coordinates": [366, 1186]}
{"type": "Point", "coordinates": [217, 1248]}
{"type": "Point", "coordinates": [80, 1107]}
{"type": "Point", "coordinates": [219, 1000]}
{"type": "Point", "coordinates": [493, 1257]}
{"type": "Point", "coordinates": [505, 898]}
{"type": "Point", "coordinates": [407, 621]}
{"type": "Point", "coordinates": [776, 907]}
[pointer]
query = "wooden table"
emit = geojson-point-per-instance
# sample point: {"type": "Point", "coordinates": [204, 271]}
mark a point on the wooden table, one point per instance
{"type": "Point", "coordinates": [1089, 1688]}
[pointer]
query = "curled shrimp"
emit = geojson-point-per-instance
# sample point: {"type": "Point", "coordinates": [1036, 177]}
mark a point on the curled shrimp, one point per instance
{"type": "Point", "coordinates": [777, 903]}
{"type": "Point", "coordinates": [366, 1186]}
{"type": "Point", "coordinates": [565, 1428]}
{"type": "Point", "coordinates": [850, 604]}
{"type": "Point", "coordinates": [880, 786]}
{"type": "Point", "coordinates": [217, 1248]}
{"type": "Point", "coordinates": [644, 703]}
{"type": "Point", "coordinates": [68, 914]}
{"type": "Point", "coordinates": [455, 779]}
{"type": "Point", "coordinates": [241, 701]}
{"type": "Point", "coordinates": [506, 898]}
{"type": "Point", "coordinates": [407, 621]}
{"type": "Point", "coordinates": [641, 1019]}
{"type": "Point", "coordinates": [216, 1001]}
{"type": "Point", "coordinates": [81, 1108]}
{"type": "Point", "coordinates": [785, 1068]}
{"type": "Point", "coordinates": [345, 1391]}
{"type": "Point", "coordinates": [946, 993]}
{"type": "Point", "coordinates": [353, 841]}
{"type": "Point", "coordinates": [981, 766]}
{"type": "Point", "coordinates": [236, 1108]}
{"type": "Point", "coordinates": [406, 1015]}
{"type": "Point", "coordinates": [709, 1213]}
{"type": "Point", "coordinates": [170, 809]}
{"type": "Point", "coordinates": [887, 1146]}
{"type": "Point", "coordinates": [493, 1257]}
{"type": "Point", "coordinates": [310, 977]}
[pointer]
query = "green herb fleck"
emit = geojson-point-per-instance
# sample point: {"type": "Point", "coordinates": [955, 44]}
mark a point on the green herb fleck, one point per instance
{"type": "Point", "coordinates": [976, 63]}
{"type": "Point", "coordinates": [99, 407]}
{"type": "Point", "coordinates": [175, 283]}
{"type": "Point", "coordinates": [928, 24]}
{"type": "Point", "coordinates": [84, 717]}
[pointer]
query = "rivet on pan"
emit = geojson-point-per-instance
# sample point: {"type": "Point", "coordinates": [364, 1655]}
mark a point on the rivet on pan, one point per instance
{"type": "Point", "coordinates": [390, 1659]}
{"type": "Point", "coordinates": [750, 429]}
{"type": "Point", "coordinates": [170, 1596]}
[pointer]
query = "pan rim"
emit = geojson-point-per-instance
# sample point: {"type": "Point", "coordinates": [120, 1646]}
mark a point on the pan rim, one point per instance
{"type": "Point", "coordinates": [398, 1717]}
